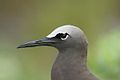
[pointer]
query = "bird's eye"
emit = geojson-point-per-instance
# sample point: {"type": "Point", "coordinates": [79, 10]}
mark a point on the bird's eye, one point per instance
{"type": "Point", "coordinates": [62, 36]}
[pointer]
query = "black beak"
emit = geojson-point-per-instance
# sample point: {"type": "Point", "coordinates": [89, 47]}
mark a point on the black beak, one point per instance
{"type": "Point", "coordinates": [42, 42]}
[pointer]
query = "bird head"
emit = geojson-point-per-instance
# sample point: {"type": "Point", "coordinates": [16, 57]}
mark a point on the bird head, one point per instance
{"type": "Point", "coordinates": [66, 36]}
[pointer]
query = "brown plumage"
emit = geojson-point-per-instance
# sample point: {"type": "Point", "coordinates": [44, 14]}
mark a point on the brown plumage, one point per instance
{"type": "Point", "coordinates": [71, 61]}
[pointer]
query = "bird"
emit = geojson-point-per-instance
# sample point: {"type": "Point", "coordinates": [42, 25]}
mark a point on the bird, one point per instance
{"type": "Point", "coordinates": [71, 61]}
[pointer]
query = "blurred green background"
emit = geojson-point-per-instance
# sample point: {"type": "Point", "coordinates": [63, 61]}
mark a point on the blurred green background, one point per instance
{"type": "Point", "coordinates": [25, 20]}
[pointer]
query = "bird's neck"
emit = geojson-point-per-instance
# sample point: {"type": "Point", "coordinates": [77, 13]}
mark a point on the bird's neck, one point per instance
{"type": "Point", "coordinates": [69, 64]}
{"type": "Point", "coordinates": [73, 56]}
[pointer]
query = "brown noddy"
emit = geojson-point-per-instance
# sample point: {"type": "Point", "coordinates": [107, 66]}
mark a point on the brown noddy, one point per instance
{"type": "Point", "coordinates": [71, 62]}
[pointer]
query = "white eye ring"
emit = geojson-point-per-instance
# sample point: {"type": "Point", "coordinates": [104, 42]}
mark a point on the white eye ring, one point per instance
{"type": "Point", "coordinates": [65, 37]}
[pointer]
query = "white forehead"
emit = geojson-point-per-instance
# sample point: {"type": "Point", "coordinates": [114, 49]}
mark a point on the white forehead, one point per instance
{"type": "Point", "coordinates": [70, 29]}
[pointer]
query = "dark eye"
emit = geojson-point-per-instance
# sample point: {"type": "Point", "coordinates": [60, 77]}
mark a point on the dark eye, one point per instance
{"type": "Point", "coordinates": [62, 36]}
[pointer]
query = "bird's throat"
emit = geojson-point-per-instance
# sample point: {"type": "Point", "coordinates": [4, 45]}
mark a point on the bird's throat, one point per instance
{"type": "Point", "coordinates": [68, 65]}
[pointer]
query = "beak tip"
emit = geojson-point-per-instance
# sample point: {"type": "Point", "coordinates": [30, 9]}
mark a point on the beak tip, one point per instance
{"type": "Point", "coordinates": [18, 47]}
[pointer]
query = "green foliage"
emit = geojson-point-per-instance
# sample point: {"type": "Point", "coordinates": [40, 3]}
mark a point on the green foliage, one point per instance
{"type": "Point", "coordinates": [106, 56]}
